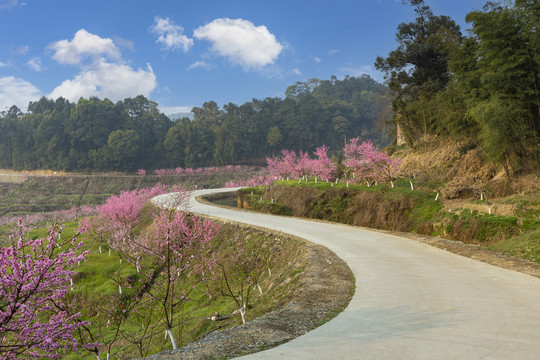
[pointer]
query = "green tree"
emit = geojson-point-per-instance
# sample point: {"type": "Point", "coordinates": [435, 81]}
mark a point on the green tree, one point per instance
{"type": "Point", "coordinates": [274, 138]}
{"type": "Point", "coordinates": [123, 149]}
{"type": "Point", "coordinates": [506, 104]}
{"type": "Point", "coordinates": [175, 142]}
{"type": "Point", "coordinates": [418, 68]}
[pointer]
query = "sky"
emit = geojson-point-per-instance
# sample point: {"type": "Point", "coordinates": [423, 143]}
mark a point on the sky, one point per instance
{"type": "Point", "coordinates": [181, 54]}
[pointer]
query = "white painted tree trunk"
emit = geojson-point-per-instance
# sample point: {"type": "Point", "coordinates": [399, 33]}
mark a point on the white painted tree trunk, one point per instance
{"type": "Point", "coordinates": [392, 183]}
{"type": "Point", "coordinates": [171, 337]}
{"type": "Point", "coordinates": [436, 197]}
{"type": "Point", "coordinates": [260, 290]}
{"type": "Point", "coordinates": [100, 249]}
{"type": "Point", "coordinates": [412, 186]}
{"type": "Point", "coordinates": [243, 309]}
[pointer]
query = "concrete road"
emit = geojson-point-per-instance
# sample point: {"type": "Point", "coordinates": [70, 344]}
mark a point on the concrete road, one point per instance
{"type": "Point", "coordinates": [412, 301]}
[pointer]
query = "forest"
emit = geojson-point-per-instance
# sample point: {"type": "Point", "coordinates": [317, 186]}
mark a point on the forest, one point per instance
{"type": "Point", "coordinates": [482, 87]}
{"type": "Point", "coordinates": [98, 135]}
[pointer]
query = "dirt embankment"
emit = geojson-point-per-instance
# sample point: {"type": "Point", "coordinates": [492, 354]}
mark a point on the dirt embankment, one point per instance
{"type": "Point", "coordinates": [460, 172]}
{"type": "Point", "coordinates": [348, 207]}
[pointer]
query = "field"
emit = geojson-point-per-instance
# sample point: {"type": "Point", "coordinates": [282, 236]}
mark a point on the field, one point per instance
{"type": "Point", "coordinates": [39, 192]}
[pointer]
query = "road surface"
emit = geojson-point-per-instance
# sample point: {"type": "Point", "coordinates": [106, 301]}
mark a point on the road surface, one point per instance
{"type": "Point", "coordinates": [412, 301]}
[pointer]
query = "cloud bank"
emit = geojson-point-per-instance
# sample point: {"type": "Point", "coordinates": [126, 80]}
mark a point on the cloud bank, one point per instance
{"type": "Point", "coordinates": [18, 92]}
{"type": "Point", "coordinates": [241, 42]}
{"type": "Point", "coordinates": [103, 71]}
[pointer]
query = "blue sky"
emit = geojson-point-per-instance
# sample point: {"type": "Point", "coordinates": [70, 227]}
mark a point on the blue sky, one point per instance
{"type": "Point", "coordinates": [183, 53]}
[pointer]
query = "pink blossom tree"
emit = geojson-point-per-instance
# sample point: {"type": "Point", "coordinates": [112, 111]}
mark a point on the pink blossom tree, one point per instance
{"type": "Point", "coordinates": [169, 253]}
{"type": "Point", "coordinates": [289, 164]}
{"type": "Point", "coordinates": [34, 277]}
{"type": "Point", "coordinates": [368, 163]}
{"type": "Point", "coordinates": [357, 158]}
{"type": "Point", "coordinates": [175, 252]}
{"type": "Point", "coordinates": [323, 166]}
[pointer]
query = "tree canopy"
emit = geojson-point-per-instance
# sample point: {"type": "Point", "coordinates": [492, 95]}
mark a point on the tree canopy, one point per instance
{"type": "Point", "coordinates": [96, 134]}
{"type": "Point", "coordinates": [483, 87]}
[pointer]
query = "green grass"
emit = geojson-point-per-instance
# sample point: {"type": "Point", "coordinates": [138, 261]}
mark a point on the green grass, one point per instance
{"type": "Point", "coordinates": [526, 245]}
{"type": "Point", "coordinates": [94, 285]}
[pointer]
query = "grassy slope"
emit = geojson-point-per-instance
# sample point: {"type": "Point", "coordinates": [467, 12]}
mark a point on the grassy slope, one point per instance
{"type": "Point", "coordinates": [95, 284]}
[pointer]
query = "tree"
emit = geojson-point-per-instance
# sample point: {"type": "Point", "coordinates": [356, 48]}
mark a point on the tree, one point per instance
{"type": "Point", "coordinates": [418, 68]}
{"type": "Point", "coordinates": [123, 149]}
{"type": "Point", "coordinates": [274, 137]}
{"type": "Point", "coordinates": [175, 142]}
{"type": "Point", "coordinates": [323, 166]}
{"type": "Point", "coordinates": [151, 125]}
{"type": "Point", "coordinates": [171, 255]}
{"type": "Point", "coordinates": [506, 104]}
{"type": "Point", "coordinates": [242, 266]}
{"type": "Point", "coordinates": [34, 277]}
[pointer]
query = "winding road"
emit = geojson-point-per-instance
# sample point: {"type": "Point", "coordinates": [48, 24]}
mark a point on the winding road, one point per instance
{"type": "Point", "coordinates": [412, 301]}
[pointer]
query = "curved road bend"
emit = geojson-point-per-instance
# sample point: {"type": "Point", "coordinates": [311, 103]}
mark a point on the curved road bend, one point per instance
{"type": "Point", "coordinates": [412, 301]}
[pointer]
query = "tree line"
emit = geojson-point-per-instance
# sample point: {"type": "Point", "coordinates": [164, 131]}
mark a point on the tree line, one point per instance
{"type": "Point", "coordinates": [99, 135]}
{"type": "Point", "coordinates": [482, 87]}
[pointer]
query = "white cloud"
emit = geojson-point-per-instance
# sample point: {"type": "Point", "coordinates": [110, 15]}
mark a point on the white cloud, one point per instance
{"type": "Point", "coordinates": [296, 71]}
{"type": "Point", "coordinates": [244, 44]}
{"type": "Point", "coordinates": [170, 34]}
{"type": "Point", "coordinates": [22, 50]}
{"type": "Point", "coordinates": [15, 91]}
{"type": "Point", "coordinates": [35, 64]}
{"type": "Point", "coordinates": [169, 110]}
{"type": "Point", "coordinates": [125, 43]}
{"type": "Point", "coordinates": [8, 4]}
{"type": "Point", "coordinates": [361, 70]}
{"type": "Point", "coordinates": [84, 44]}
{"type": "Point", "coordinates": [114, 81]}
{"type": "Point", "coordinates": [199, 64]}
{"type": "Point", "coordinates": [316, 59]}
{"type": "Point", "coordinates": [333, 52]}
{"type": "Point", "coordinates": [106, 75]}
{"type": "Point", "coordinates": [2, 64]}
